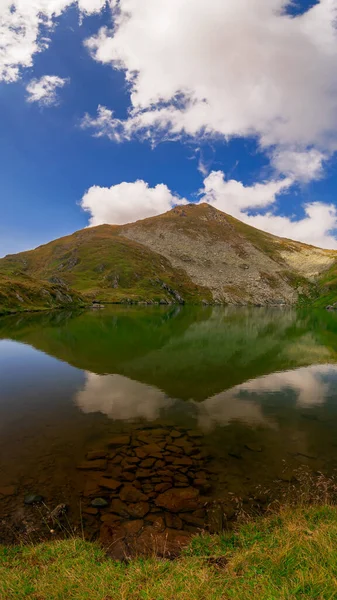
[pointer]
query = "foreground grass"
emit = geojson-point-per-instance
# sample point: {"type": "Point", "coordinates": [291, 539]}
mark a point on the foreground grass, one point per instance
{"type": "Point", "coordinates": [289, 555]}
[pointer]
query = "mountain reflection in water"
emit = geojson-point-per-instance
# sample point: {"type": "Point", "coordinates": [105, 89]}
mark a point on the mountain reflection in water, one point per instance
{"type": "Point", "coordinates": [258, 386]}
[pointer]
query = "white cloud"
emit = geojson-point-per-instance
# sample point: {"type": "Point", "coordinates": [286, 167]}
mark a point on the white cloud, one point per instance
{"type": "Point", "coordinates": [44, 90]}
{"type": "Point", "coordinates": [24, 29]}
{"type": "Point", "coordinates": [235, 199]}
{"type": "Point", "coordinates": [127, 202]}
{"type": "Point", "coordinates": [303, 166]}
{"type": "Point", "coordinates": [234, 68]}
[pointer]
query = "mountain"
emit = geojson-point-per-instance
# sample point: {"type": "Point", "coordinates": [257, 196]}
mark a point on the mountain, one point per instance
{"type": "Point", "coordinates": [20, 292]}
{"type": "Point", "coordinates": [192, 254]}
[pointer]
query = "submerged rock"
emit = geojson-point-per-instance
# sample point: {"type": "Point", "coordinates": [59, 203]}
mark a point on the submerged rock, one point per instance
{"type": "Point", "coordinates": [99, 503]}
{"type": "Point", "coordinates": [33, 499]}
{"type": "Point", "coordinates": [178, 499]}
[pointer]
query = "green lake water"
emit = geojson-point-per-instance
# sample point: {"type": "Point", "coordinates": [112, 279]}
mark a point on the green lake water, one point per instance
{"type": "Point", "coordinates": [257, 387]}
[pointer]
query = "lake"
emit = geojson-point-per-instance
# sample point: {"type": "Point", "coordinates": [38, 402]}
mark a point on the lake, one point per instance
{"type": "Point", "coordinates": [221, 405]}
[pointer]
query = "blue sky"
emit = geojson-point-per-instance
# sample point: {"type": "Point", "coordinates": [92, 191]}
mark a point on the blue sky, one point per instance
{"type": "Point", "coordinates": [209, 148]}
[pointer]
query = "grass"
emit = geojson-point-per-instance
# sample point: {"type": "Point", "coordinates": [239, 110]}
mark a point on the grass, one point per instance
{"type": "Point", "coordinates": [283, 556]}
{"type": "Point", "coordinates": [100, 264]}
{"type": "Point", "coordinates": [20, 293]}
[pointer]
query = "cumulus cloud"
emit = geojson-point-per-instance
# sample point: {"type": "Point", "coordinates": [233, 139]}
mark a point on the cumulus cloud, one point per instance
{"type": "Point", "coordinates": [127, 202]}
{"type": "Point", "coordinates": [24, 29]}
{"type": "Point", "coordinates": [237, 200]}
{"type": "Point", "coordinates": [233, 68]}
{"type": "Point", "coordinates": [44, 90]}
{"type": "Point", "coordinates": [254, 205]}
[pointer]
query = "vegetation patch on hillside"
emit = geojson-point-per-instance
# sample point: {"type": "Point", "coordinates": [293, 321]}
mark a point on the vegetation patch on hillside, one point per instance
{"type": "Point", "coordinates": [20, 293]}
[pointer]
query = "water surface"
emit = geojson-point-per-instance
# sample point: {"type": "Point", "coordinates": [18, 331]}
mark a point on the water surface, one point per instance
{"type": "Point", "coordinates": [256, 387]}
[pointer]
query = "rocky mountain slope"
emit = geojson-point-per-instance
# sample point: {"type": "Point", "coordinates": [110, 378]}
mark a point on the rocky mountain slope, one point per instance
{"type": "Point", "coordinates": [191, 254]}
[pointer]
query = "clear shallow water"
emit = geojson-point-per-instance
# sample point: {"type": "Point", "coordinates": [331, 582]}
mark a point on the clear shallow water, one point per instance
{"type": "Point", "coordinates": [258, 386]}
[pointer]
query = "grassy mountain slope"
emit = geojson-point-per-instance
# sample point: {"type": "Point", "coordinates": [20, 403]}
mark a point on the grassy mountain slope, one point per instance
{"type": "Point", "coordinates": [192, 253]}
{"type": "Point", "coordinates": [19, 292]}
{"type": "Point", "coordinates": [100, 263]}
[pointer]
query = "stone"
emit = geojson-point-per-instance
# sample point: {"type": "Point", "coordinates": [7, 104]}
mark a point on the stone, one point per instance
{"type": "Point", "coordinates": [184, 461]}
{"type": "Point", "coordinates": [168, 543]}
{"type": "Point", "coordinates": [180, 477]}
{"type": "Point", "coordinates": [202, 485]}
{"type": "Point", "coordinates": [110, 519]}
{"type": "Point", "coordinates": [157, 521]}
{"type": "Point", "coordinates": [175, 434]}
{"type": "Point", "coordinates": [192, 520]}
{"type": "Point", "coordinates": [33, 499]}
{"type": "Point", "coordinates": [159, 464]}
{"type": "Point", "coordinates": [138, 510]}
{"type": "Point", "coordinates": [91, 488]}
{"type": "Point", "coordinates": [127, 476]}
{"type": "Point", "coordinates": [147, 463]}
{"type": "Point", "coordinates": [193, 433]}
{"type": "Point", "coordinates": [99, 503]}
{"type": "Point", "coordinates": [7, 490]}
{"type": "Point", "coordinates": [110, 484]}
{"type": "Point", "coordinates": [117, 460]}
{"type": "Point", "coordinates": [143, 474]}
{"type": "Point", "coordinates": [88, 510]}
{"type": "Point", "coordinates": [147, 488]}
{"type": "Point", "coordinates": [158, 432]}
{"type": "Point", "coordinates": [130, 494]}
{"type": "Point", "coordinates": [131, 460]}
{"type": "Point", "coordinates": [94, 465]}
{"type": "Point", "coordinates": [120, 440]}
{"type": "Point", "coordinates": [113, 538]}
{"type": "Point", "coordinates": [133, 527]}
{"type": "Point", "coordinates": [95, 454]}
{"type": "Point", "coordinates": [178, 499]}
{"type": "Point", "coordinates": [200, 513]}
{"type": "Point", "coordinates": [183, 442]}
{"type": "Point", "coordinates": [119, 508]}
{"type": "Point", "coordinates": [254, 447]}
{"type": "Point", "coordinates": [173, 521]}
{"type": "Point", "coordinates": [175, 449]}
{"type": "Point", "coordinates": [149, 450]}
{"type": "Point", "coordinates": [162, 487]}
{"type": "Point", "coordinates": [114, 471]}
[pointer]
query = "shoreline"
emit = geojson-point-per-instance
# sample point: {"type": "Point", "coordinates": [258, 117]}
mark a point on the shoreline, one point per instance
{"type": "Point", "coordinates": [289, 553]}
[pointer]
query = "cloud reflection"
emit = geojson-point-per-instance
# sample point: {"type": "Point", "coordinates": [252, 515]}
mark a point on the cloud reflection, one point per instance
{"type": "Point", "coordinates": [121, 398]}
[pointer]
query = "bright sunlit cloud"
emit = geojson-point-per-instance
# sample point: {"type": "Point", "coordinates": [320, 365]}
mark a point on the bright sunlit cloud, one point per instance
{"type": "Point", "coordinates": [232, 68]}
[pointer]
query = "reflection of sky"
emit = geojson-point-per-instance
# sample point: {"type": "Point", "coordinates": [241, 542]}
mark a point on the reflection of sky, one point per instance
{"type": "Point", "coordinates": [122, 398]}
{"type": "Point", "coordinates": [26, 373]}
